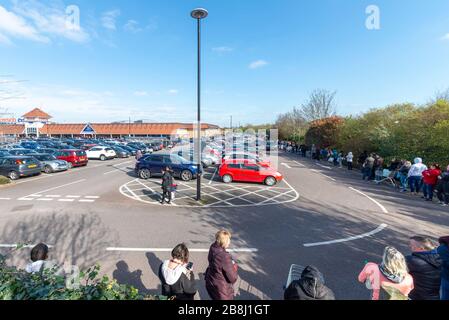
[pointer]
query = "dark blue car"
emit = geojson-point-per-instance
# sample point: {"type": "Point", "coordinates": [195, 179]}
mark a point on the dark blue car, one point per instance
{"type": "Point", "coordinates": [152, 165]}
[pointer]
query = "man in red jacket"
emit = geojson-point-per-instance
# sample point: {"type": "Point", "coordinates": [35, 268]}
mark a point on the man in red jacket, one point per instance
{"type": "Point", "coordinates": [430, 179]}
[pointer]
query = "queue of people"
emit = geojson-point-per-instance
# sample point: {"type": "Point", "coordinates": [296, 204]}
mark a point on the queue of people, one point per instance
{"type": "Point", "coordinates": [421, 275]}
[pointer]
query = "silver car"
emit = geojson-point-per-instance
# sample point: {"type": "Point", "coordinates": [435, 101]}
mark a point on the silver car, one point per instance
{"type": "Point", "coordinates": [50, 164]}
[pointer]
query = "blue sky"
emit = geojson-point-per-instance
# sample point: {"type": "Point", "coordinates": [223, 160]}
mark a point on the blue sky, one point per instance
{"type": "Point", "coordinates": [136, 58]}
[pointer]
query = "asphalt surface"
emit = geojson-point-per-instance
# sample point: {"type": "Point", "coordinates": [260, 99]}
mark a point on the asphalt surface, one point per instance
{"type": "Point", "coordinates": [332, 219]}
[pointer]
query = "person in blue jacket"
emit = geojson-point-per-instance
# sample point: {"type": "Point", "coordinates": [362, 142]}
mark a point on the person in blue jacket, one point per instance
{"type": "Point", "coordinates": [443, 251]}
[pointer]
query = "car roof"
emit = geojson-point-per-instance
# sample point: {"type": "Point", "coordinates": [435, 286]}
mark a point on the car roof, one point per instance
{"type": "Point", "coordinates": [238, 161]}
{"type": "Point", "coordinates": [17, 157]}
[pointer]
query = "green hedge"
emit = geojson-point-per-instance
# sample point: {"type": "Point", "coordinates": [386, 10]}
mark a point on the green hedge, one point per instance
{"type": "Point", "coordinates": [4, 180]}
{"type": "Point", "coordinates": [17, 284]}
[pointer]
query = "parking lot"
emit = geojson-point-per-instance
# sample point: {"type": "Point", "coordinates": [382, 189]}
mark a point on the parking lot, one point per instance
{"type": "Point", "coordinates": [215, 193]}
{"type": "Point", "coordinates": [104, 213]}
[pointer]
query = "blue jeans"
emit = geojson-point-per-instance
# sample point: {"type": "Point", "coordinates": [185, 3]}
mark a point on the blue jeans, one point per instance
{"type": "Point", "coordinates": [428, 191]}
{"type": "Point", "coordinates": [445, 289]}
{"type": "Point", "coordinates": [366, 173]}
{"type": "Point", "coordinates": [403, 180]}
{"type": "Point", "coordinates": [415, 183]}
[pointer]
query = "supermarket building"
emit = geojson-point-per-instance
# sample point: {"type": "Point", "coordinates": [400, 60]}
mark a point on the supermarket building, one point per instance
{"type": "Point", "coordinates": [37, 123]}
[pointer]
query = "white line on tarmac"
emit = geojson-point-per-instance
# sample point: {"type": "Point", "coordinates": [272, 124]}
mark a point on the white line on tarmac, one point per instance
{"type": "Point", "coordinates": [54, 188]}
{"type": "Point", "coordinates": [373, 200]}
{"type": "Point", "coordinates": [66, 200]}
{"type": "Point", "coordinates": [299, 164]}
{"type": "Point", "coordinates": [213, 176]}
{"type": "Point", "coordinates": [44, 199]}
{"type": "Point", "coordinates": [325, 167]}
{"type": "Point", "coordinates": [239, 250]}
{"type": "Point", "coordinates": [316, 171]}
{"type": "Point", "coordinates": [92, 197]}
{"type": "Point", "coordinates": [15, 246]}
{"type": "Point", "coordinates": [368, 234]}
{"type": "Point", "coordinates": [74, 197]}
{"type": "Point", "coordinates": [286, 165]}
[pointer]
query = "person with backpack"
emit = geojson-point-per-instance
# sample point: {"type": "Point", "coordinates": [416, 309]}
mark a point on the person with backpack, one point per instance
{"type": "Point", "coordinates": [424, 265]}
{"type": "Point", "coordinates": [176, 275]}
{"type": "Point", "coordinates": [443, 251]}
{"type": "Point", "coordinates": [430, 180]}
{"type": "Point", "coordinates": [221, 274]}
{"type": "Point", "coordinates": [390, 279]}
{"type": "Point", "coordinates": [309, 287]}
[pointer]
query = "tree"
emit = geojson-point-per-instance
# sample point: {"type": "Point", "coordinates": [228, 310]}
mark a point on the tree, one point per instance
{"type": "Point", "coordinates": [291, 125]}
{"type": "Point", "coordinates": [441, 95]}
{"type": "Point", "coordinates": [321, 105]}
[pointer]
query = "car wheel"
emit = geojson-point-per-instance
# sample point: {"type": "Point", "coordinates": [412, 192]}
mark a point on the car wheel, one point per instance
{"type": "Point", "coordinates": [103, 157]}
{"type": "Point", "coordinates": [14, 175]}
{"type": "Point", "coordinates": [227, 178]}
{"type": "Point", "coordinates": [186, 175]}
{"type": "Point", "coordinates": [48, 169]}
{"type": "Point", "coordinates": [270, 181]}
{"type": "Point", "coordinates": [144, 174]}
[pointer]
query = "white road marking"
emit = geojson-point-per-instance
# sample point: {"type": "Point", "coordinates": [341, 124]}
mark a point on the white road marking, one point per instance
{"type": "Point", "coordinates": [5, 198]}
{"type": "Point", "coordinates": [325, 167]}
{"type": "Point", "coordinates": [373, 200]}
{"type": "Point", "coordinates": [66, 200]}
{"type": "Point", "coordinates": [316, 171]}
{"type": "Point", "coordinates": [92, 197]}
{"type": "Point", "coordinates": [74, 197]}
{"type": "Point", "coordinates": [237, 250]}
{"type": "Point", "coordinates": [286, 165]}
{"type": "Point", "coordinates": [299, 164]}
{"type": "Point", "coordinates": [85, 200]}
{"type": "Point", "coordinates": [25, 199]}
{"type": "Point", "coordinates": [54, 188]}
{"type": "Point", "coordinates": [365, 235]}
{"type": "Point", "coordinates": [213, 176]}
{"type": "Point", "coordinates": [53, 196]}
{"type": "Point", "coordinates": [44, 199]}
{"type": "Point", "coordinates": [25, 246]}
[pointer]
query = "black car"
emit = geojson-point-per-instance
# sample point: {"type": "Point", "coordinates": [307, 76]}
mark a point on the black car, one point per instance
{"type": "Point", "coordinates": [15, 167]}
{"type": "Point", "coordinates": [131, 150]}
{"type": "Point", "coordinates": [121, 153]}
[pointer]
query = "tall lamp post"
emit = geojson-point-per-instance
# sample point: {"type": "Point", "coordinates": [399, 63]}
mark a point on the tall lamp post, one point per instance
{"type": "Point", "coordinates": [199, 14]}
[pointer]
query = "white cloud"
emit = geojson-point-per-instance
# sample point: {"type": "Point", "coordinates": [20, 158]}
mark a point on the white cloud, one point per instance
{"type": "Point", "coordinates": [173, 91]}
{"type": "Point", "coordinates": [16, 26]}
{"type": "Point", "coordinates": [109, 19]}
{"type": "Point", "coordinates": [141, 93]}
{"type": "Point", "coordinates": [258, 64]}
{"type": "Point", "coordinates": [223, 49]}
{"type": "Point", "coordinates": [132, 26]}
{"type": "Point", "coordinates": [53, 21]}
{"type": "Point", "coordinates": [445, 37]}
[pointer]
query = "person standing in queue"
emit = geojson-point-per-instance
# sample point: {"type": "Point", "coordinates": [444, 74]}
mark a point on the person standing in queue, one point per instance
{"type": "Point", "coordinates": [167, 183]}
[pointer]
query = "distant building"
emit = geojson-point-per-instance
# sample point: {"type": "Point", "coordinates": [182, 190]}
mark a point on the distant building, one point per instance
{"type": "Point", "coordinates": [36, 123]}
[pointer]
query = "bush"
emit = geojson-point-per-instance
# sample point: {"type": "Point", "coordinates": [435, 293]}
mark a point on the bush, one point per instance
{"type": "Point", "coordinates": [17, 284]}
{"type": "Point", "coordinates": [4, 180]}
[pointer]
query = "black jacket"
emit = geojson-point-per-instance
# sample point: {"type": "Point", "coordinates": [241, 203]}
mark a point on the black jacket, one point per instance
{"type": "Point", "coordinates": [183, 289]}
{"type": "Point", "coordinates": [167, 181]}
{"type": "Point", "coordinates": [425, 268]}
{"type": "Point", "coordinates": [309, 287]}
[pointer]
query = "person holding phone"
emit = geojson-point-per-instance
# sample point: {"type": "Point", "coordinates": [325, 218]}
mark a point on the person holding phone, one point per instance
{"type": "Point", "coordinates": [177, 276]}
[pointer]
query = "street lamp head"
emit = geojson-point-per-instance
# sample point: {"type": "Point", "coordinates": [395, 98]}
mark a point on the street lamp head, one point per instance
{"type": "Point", "coordinates": [199, 13]}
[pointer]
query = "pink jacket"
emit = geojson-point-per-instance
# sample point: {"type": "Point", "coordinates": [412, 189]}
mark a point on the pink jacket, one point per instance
{"type": "Point", "coordinates": [376, 279]}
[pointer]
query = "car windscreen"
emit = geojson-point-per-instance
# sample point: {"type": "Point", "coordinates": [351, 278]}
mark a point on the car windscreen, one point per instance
{"type": "Point", "coordinates": [80, 153]}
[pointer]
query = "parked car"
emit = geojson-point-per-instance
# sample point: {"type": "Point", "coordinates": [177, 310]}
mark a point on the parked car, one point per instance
{"type": "Point", "coordinates": [189, 155]}
{"type": "Point", "coordinates": [101, 153]}
{"type": "Point", "coordinates": [121, 153]}
{"type": "Point", "coordinates": [141, 146]}
{"type": "Point", "coordinates": [245, 170]}
{"type": "Point", "coordinates": [46, 150]}
{"type": "Point", "coordinates": [152, 165]}
{"type": "Point", "coordinates": [15, 167]}
{"type": "Point", "coordinates": [4, 153]}
{"type": "Point", "coordinates": [131, 150]}
{"type": "Point", "coordinates": [74, 157]}
{"type": "Point", "coordinates": [249, 156]}
{"type": "Point", "coordinates": [21, 152]}
{"type": "Point", "coordinates": [50, 164]}
{"type": "Point", "coordinates": [29, 145]}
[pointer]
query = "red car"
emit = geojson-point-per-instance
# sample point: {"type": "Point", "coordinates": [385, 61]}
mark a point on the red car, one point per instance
{"type": "Point", "coordinates": [75, 158]}
{"type": "Point", "coordinates": [245, 170]}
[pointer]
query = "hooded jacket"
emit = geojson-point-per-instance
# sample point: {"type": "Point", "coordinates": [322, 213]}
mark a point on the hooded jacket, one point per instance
{"type": "Point", "coordinates": [443, 251]}
{"type": "Point", "coordinates": [309, 287]}
{"type": "Point", "coordinates": [221, 274]}
{"type": "Point", "coordinates": [425, 268]}
{"type": "Point", "coordinates": [417, 169]}
{"type": "Point", "coordinates": [176, 282]}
